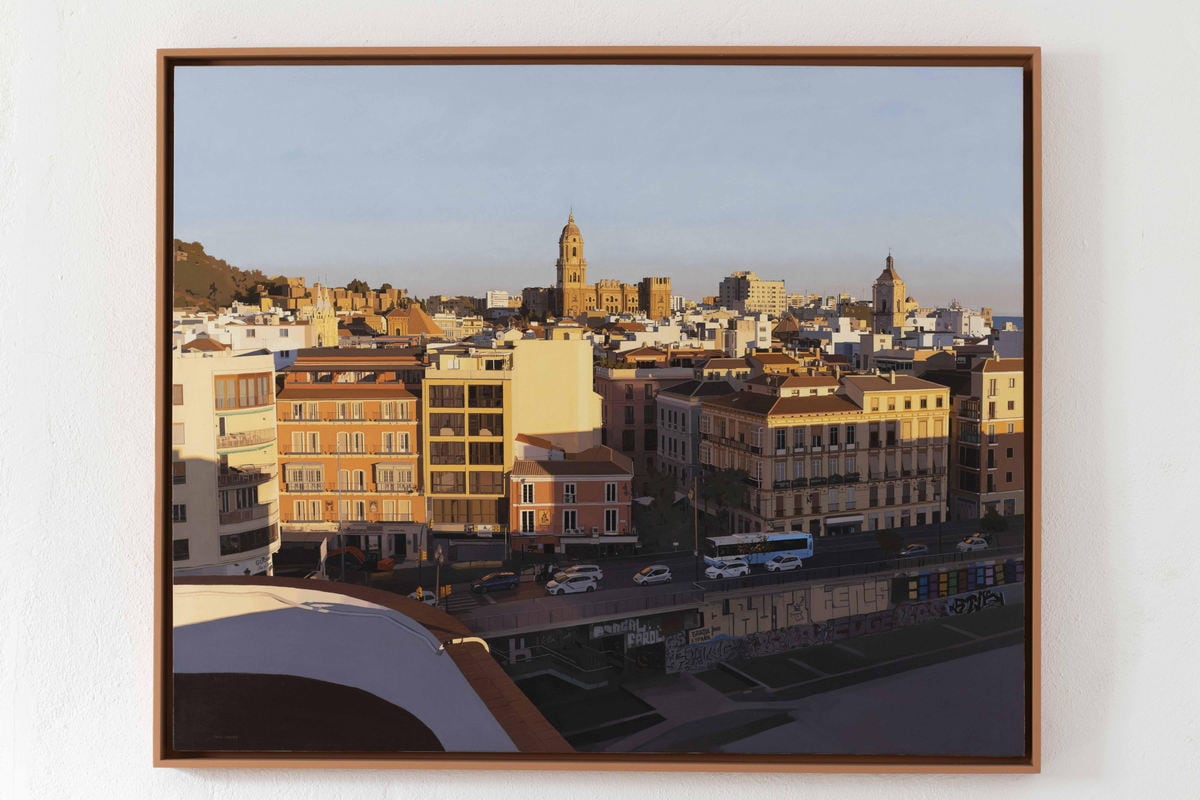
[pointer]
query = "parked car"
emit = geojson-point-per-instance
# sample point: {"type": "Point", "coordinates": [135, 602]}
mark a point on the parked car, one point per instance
{"type": "Point", "coordinates": [731, 568]}
{"type": "Point", "coordinates": [971, 543]}
{"type": "Point", "coordinates": [494, 581]}
{"type": "Point", "coordinates": [784, 561]}
{"type": "Point", "coordinates": [424, 596]}
{"type": "Point", "coordinates": [914, 550]}
{"type": "Point", "coordinates": [582, 569]}
{"type": "Point", "coordinates": [655, 573]}
{"type": "Point", "coordinates": [571, 584]}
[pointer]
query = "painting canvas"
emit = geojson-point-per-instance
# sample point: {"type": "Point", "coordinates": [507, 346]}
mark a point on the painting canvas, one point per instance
{"type": "Point", "coordinates": [637, 408]}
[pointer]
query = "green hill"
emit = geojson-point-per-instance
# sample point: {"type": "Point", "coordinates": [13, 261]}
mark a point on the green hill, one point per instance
{"type": "Point", "coordinates": [208, 282]}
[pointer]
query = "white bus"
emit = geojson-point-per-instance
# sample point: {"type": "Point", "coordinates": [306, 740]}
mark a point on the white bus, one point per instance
{"type": "Point", "coordinates": [757, 548]}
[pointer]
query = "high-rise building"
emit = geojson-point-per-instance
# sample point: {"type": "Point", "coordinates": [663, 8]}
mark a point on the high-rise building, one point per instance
{"type": "Point", "coordinates": [988, 453]}
{"type": "Point", "coordinates": [224, 502]}
{"type": "Point", "coordinates": [746, 293]}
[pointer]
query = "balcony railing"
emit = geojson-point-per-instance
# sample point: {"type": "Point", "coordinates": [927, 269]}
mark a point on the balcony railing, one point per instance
{"type": "Point", "coordinates": [245, 438]}
{"type": "Point", "coordinates": [244, 515]}
{"type": "Point", "coordinates": [244, 476]}
{"type": "Point", "coordinates": [306, 418]}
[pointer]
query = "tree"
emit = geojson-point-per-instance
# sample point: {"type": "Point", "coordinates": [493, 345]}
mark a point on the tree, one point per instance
{"type": "Point", "coordinates": [992, 522]}
{"type": "Point", "coordinates": [385, 287]}
{"type": "Point", "coordinates": [726, 488]}
{"type": "Point", "coordinates": [358, 286]}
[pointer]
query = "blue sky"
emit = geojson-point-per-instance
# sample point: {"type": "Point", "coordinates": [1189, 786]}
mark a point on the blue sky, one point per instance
{"type": "Point", "coordinates": [458, 179]}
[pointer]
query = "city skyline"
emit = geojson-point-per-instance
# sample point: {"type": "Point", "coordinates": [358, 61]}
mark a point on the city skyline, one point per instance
{"type": "Point", "coordinates": [457, 180]}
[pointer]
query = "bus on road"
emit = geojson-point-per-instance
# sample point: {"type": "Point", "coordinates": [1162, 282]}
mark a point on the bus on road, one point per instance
{"type": "Point", "coordinates": [757, 548]}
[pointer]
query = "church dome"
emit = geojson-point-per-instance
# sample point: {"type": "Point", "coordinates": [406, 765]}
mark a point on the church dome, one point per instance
{"type": "Point", "coordinates": [570, 229]}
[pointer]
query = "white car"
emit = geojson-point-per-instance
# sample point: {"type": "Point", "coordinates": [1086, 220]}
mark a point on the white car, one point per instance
{"type": "Point", "coordinates": [972, 543]}
{"type": "Point", "coordinates": [655, 573]}
{"type": "Point", "coordinates": [590, 570]}
{"type": "Point", "coordinates": [732, 568]}
{"type": "Point", "coordinates": [424, 596]}
{"type": "Point", "coordinates": [784, 561]}
{"type": "Point", "coordinates": [571, 584]}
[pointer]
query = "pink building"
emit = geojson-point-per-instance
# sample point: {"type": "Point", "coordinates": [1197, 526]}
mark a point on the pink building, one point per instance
{"type": "Point", "coordinates": [573, 500]}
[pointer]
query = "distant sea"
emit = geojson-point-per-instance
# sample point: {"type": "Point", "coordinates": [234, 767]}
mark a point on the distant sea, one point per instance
{"type": "Point", "coordinates": [1018, 321]}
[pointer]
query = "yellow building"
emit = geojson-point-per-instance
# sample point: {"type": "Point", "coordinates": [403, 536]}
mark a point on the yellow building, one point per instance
{"type": "Point", "coordinates": [475, 402]}
{"type": "Point", "coordinates": [574, 296]}
{"type": "Point", "coordinates": [747, 293]}
{"type": "Point", "coordinates": [224, 503]}
{"type": "Point", "coordinates": [890, 301]}
{"type": "Point", "coordinates": [833, 456]}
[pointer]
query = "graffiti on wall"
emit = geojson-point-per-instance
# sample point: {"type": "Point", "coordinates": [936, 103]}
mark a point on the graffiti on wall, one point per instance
{"type": "Point", "coordinates": [682, 656]}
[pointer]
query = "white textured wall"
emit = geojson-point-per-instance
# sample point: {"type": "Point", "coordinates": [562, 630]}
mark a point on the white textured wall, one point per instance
{"type": "Point", "coordinates": [77, 104]}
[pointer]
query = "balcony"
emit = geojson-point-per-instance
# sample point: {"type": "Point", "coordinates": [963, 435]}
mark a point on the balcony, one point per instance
{"type": "Point", "coordinates": [296, 487]}
{"type": "Point", "coordinates": [244, 515]}
{"type": "Point", "coordinates": [244, 476]}
{"type": "Point", "coordinates": [398, 488]}
{"type": "Point", "coordinates": [311, 418]}
{"type": "Point", "coordinates": [232, 441]}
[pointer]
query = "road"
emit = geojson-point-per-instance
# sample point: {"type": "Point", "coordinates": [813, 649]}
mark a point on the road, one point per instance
{"type": "Point", "coordinates": [843, 551]}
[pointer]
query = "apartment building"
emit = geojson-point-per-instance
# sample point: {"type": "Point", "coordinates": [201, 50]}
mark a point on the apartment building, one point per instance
{"type": "Point", "coordinates": [832, 456]}
{"type": "Point", "coordinates": [988, 453]}
{"type": "Point", "coordinates": [629, 412]}
{"type": "Point", "coordinates": [679, 407]}
{"type": "Point", "coordinates": [746, 293]}
{"type": "Point", "coordinates": [572, 501]}
{"type": "Point", "coordinates": [349, 430]}
{"type": "Point", "coordinates": [224, 503]}
{"type": "Point", "coordinates": [476, 400]}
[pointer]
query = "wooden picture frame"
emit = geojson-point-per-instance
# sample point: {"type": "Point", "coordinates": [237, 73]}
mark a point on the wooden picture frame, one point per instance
{"type": "Point", "coordinates": [537, 747]}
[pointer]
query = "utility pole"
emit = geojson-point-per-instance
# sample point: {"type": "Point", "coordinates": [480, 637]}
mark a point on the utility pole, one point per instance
{"type": "Point", "coordinates": [696, 521]}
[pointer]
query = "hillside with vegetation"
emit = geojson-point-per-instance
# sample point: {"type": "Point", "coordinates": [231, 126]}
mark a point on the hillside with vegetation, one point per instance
{"type": "Point", "coordinates": [208, 282]}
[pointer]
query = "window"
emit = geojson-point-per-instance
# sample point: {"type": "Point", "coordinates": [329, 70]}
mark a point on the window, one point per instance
{"type": "Point", "coordinates": [568, 493]}
{"type": "Point", "coordinates": [447, 453]}
{"type": "Point", "coordinates": [306, 442]}
{"type": "Point", "coordinates": [177, 433]}
{"type": "Point", "coordinates": [992, 387]}
{"type": "Point", "coordinates": [833, 435]}
{"type": "Point", "coordinates": [629, 391]}
{"type": "Point", "coordinates": [178, 472]}
{"type": "Point", "coordinates": [924, 401]}
{"type": "Point", "coordinates": [493, 364]}
{"type": "Point", "coordinates": [610, 493]}
{"type": "Point", "coordinates": [395, 442]}
{"type": "Point", "coordinates": [610, 520]}
{"type": "Point", "coordinates": [1012, 405]}
{"type": "Point", "coordinates": [1008, 477]}
{"type": "Point", "coordinates": [487, 483]}
{"type": "Point", "coordinates": [390, 478]}
{"type": "Point", "coordinates": [781, 438]}
{"type": "Point", "coordinates": [487, 453]}
{"type": "Point", "coordinates": [303, 477]}
{"type": "Point", "coordinates": [816, 437]}
{"type": "Point", "coordinates": [283, 332]}
{"type": "Point", "coordinates": [908, 404]}
{"type": "Point", "coordinates": [1008, 453]}
{"type": "Point", "coordinates": [445, 424]}
{"type": "Point", "coordinates": [1011, 428]}
{"type": "Point", "coordinates": [445, 397]}
{"type": "Point", "coordinates": [179, 550]}
{"type": "Point", "coordinates": [627, 440]}
{"type": "Point", "coordinates": [350, 411]}
{"type": "Point", "coordinates": [874, 403]}
{"type": "Point", "coordinates": [486, 396]}
{"type": "Point", "coordinates": [447, 482]}
{"type": "Point", "coordinates": [527, 523]}
{"type": "Point", "coordinates": [991, 409]}
{"type": "Point", "coordinates": [526, 493]}
{"type": "Point", "coordinates": [1012, 383]}
{"type": "Point", "coordinates": [850, 434]}
{"type": "Point", "coordinates": [243, 391]}
{"type": "Point", "coordinates": [939, 401]}
{"type": "Point", "coordinates": [649, 439]}
{"type": "Point", "coordinates": [179, 512]}
{"type": "Point", "coordinates": [570, 520]}
{"type": "Point", "coordinates": [648, 415]}
{"type": "Point", "coordinates": [177, 400]}
{"type": "Point", "coordinates": [487, 425]}
{"type": "Point", "coordinates": [628, 415]}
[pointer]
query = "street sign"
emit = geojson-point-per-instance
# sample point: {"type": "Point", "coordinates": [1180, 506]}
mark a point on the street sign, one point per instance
{"type": "Point", "coordinates": [439, 556]}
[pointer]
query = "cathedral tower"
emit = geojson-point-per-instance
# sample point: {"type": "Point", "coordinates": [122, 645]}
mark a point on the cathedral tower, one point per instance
{"type": "Point", "coordinates": [573, 293]}
{"type": "Point", "coordinates": [889, 303]}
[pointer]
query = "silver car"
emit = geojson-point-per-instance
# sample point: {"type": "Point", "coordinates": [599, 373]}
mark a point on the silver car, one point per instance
{"type": "Point", "coordinates": [655, 573]}
{"type": "Point", "coordinates": [571, 584]}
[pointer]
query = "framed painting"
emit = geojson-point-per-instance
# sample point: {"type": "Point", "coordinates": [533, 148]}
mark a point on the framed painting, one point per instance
{"type": "Point", "coordinates": [606, 408]}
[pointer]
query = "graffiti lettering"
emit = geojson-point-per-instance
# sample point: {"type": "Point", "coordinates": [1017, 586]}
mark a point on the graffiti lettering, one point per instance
{"type": "Point", "coordinates": [977, 601]}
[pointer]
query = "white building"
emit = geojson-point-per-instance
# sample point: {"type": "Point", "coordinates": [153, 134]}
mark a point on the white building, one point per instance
{"type": "Point", "coordinates": [497, 298]}
{"type": "Point", "coordinates": [224, 497]}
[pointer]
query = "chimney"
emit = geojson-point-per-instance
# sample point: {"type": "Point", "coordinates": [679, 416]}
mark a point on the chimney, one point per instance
{"type": "Point", "coordinates": [892, 377]}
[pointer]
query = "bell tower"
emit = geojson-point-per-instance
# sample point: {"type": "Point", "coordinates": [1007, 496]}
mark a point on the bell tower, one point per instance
{"type": "Point", "coordinates": [571, 270]}
{"type": "Point", "coordinates": [888, 309]}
